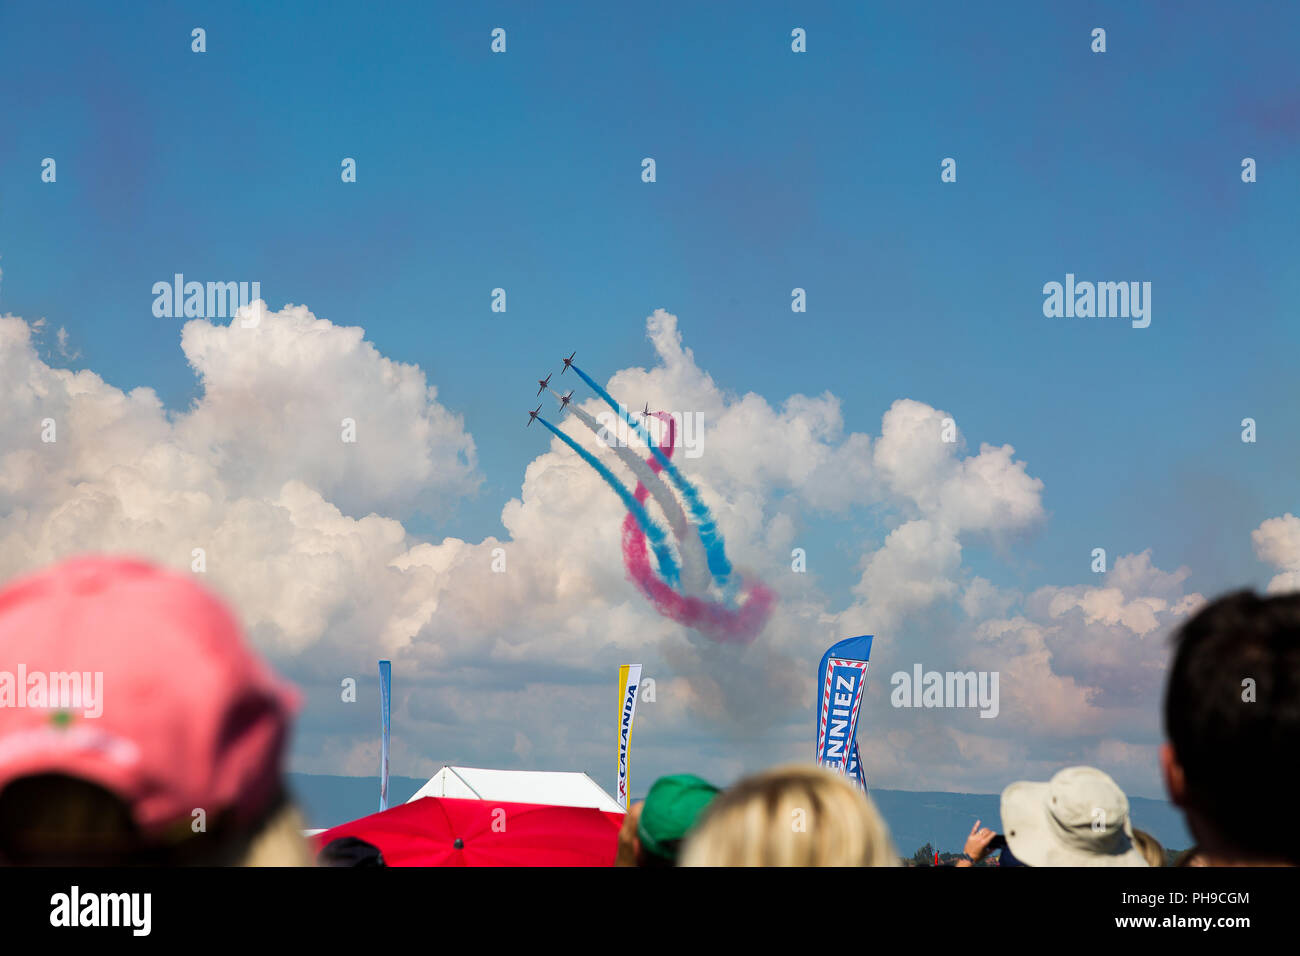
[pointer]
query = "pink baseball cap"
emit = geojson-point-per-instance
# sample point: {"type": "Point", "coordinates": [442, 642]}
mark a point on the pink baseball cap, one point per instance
{"type": "Point", "coordinates": [136, 678]}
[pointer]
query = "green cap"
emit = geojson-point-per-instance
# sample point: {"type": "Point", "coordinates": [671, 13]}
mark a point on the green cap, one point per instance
{"type": "Point", "coordinates": [671, 808]}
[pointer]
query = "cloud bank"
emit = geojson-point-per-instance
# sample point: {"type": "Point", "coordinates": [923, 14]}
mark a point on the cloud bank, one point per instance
{"type": "Point", "coordinates": [504, 649]}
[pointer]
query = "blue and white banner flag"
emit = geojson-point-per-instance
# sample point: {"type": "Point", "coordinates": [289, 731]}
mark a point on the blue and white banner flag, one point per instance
{"type": "Point", "coordinates": [385, 717]}
{"type": "Point", "coordinates": [855, 768]}
{"type": "Point", "coordinates": [841, 677]}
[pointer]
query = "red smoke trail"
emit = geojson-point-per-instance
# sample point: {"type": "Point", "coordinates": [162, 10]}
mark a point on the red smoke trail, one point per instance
{"type": "Point", "coordinates": [738, 625]}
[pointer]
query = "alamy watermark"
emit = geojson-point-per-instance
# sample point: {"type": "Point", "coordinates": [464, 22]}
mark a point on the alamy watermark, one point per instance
{"type": "Point", "coordinates": [946, 689]}
{"type": "Point", "coordinates": [688, 429]}
{"type": "Point", "coordinates": [131, 911]}
{"type": "Point", "coordinates": [1086, 300]}
{"type": "Point", "coordinates": [53, 690]}
{"type": "Point", "coordinates": [179, 299]}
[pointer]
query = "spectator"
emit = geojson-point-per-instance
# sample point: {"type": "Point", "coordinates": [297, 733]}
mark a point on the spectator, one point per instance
{"type": "Point", "coordinates": [791, 816]}
{"type": "Point", "coordinates": [1078, 818]}
{"type": "Point", "coordinates": [350, 851]}
{"type": "Point", "coordinates": [139, 728]}
{"type": "Point", "coordinates": [1232, 723]}
{"type": "Point", "coordinates": [980, 842]}
{"type": "Point", "coordinates": [1150, 847]}
{"type": "Point", "coordinates": [1007, 858]}
{"type": "Point", "coordinates": [653, 830]}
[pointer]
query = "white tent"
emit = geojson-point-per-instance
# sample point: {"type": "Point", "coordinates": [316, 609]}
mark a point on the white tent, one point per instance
{"type": "Point", "coordinates": [553, 788]}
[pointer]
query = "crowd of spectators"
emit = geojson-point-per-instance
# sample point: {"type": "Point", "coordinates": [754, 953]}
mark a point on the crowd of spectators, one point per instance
{"type": "Point", "coordinates": [187, 766]}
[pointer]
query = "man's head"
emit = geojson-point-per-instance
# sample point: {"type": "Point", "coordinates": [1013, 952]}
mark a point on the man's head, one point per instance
{"type": "Point", "coordinates": [1232, 719]}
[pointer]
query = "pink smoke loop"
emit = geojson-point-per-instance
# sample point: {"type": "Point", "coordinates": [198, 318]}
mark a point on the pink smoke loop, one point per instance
{"type": "Point", "coordinates": [738, 625]}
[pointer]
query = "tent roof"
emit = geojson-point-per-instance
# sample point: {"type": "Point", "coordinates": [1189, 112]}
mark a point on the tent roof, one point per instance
{"type": "Point", "coordinates": [445, 831]}
{"type": "Point", "coordinates": [554, 788]}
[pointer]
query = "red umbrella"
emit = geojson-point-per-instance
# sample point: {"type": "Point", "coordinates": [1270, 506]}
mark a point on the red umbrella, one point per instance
{"type": "Point", "coordinates": [441, 831]}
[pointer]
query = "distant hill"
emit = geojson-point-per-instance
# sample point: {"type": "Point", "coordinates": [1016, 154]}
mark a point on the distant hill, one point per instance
{"type": "Point", "coordinates": [944, 819]}
{"type": "Point", "coordinates": [915, 817]}
{"type": "Point", "coordinates": [327, 801]}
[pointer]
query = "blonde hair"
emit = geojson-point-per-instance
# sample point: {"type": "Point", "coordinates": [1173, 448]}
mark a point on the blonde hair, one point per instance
{"type": "Point", "coordinates": [280, 842]}
{"type": "Point", "coordinates": [796, 815]}
{"type": "Point", "coordinates": [1150, 847]}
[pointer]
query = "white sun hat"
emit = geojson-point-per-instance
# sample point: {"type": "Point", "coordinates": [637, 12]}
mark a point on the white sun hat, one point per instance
{"type": "Point", "coordinates": [1078, 818]}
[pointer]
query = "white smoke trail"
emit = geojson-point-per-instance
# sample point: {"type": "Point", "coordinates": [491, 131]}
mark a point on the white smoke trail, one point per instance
{"type": "Point", "coordinates": [695, 564]}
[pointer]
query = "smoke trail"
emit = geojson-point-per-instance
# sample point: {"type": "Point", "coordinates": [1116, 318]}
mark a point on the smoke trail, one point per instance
{"type": "Point", "coordinates": [667, 563]}
{"type": "Point", "coordinates": [710, 536]}
{"type": "Point", "coordinates": [694, 572]}
{"type": "Point", "coordinates": [730, 625]}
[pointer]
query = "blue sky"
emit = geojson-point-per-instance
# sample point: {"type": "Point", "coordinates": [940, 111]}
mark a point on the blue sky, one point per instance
{"type": "Point", "coordinates": [774, 171]}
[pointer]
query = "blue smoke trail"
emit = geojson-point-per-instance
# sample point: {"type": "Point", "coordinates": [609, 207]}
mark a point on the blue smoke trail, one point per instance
{"type": "Point", "coordinates": [695, 572]}
{"type": "Point", "coordinates": [658, 540]}
{"type": "Point", "coordinates": [714, 547]}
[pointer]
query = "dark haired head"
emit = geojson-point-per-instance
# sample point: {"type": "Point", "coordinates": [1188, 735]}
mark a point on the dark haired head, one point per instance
{"type": "Point", "coordinates": [1232, 717]}
{"type": "Point", "coordinates": [57, 820]}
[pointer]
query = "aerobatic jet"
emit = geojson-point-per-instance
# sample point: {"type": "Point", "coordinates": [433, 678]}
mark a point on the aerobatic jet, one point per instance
{"type": "Point", "coordinates": [568, 361]}
{"type": "Point", "coordinates": [565, 399]}
{"type": "Point", "coordinates": [533, 414]}
{"type": "Point", "coordinates": [543, 382]}
{"type": "Point", "coordinates": [646, 413]}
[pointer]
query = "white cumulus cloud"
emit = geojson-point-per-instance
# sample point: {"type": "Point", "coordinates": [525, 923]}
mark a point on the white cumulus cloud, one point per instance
{"type": "Point", "coordinates": [503, 647]}
{"type": "Point", "coordinates": [1277, 541]}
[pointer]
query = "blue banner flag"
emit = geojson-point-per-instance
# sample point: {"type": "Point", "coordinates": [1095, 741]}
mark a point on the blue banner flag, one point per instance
{"type": "Point", "coordinates": [841, 677]}
{"type": "Point", "coordinates": [855, 768]}
{"type": "Point", "coordinates": [385, 716]}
